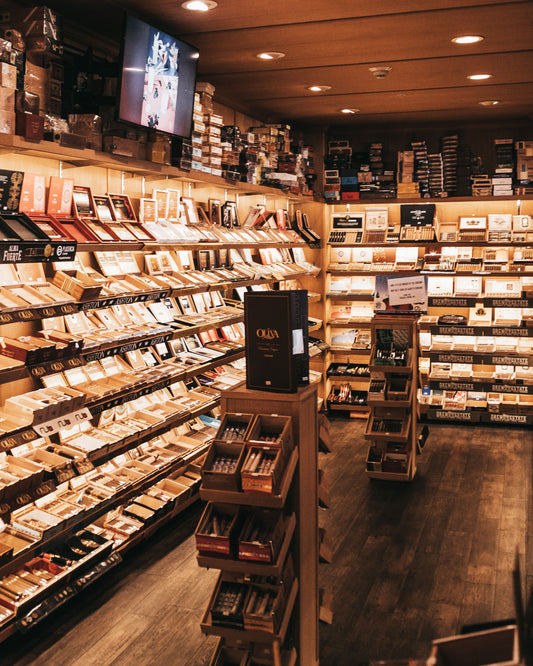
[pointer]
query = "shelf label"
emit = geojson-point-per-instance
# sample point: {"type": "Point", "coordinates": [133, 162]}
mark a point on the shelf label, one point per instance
{"type": "Point", "coordinates": [444, 415]}
{"type": "Point", "coordinates": [521, 419]}
{"type": "Point", "coordinates": [66, 421]}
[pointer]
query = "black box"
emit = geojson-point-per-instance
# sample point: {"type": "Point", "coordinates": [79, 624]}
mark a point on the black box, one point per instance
{"type": "Point", "coordinates": [277, 348]}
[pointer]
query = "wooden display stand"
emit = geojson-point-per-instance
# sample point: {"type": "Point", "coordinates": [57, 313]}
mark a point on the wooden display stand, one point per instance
{"type": "Point", "coordinates": [303, 494]}
{"type": "Point", "coordinates": [391, 426]}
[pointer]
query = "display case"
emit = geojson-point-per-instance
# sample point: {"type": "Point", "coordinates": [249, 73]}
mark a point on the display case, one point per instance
{"type": "Point", "coordinates": [476, 253]}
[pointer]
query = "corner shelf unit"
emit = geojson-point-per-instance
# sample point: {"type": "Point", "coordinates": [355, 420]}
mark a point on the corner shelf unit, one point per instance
{"type": "Point", "coordinates": [350, 268]}
{"type": "Point", "coordinates": [298, 497]}
{"type": "Point", "coordinates": [391, 426]}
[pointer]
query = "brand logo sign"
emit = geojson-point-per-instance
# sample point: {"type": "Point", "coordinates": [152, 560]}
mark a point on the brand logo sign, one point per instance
{"type": "Point", "coordinates": [267, 333]}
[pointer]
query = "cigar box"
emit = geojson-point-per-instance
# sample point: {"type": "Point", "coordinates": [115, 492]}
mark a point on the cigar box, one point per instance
{"type": "Point", "coordinates": [124, 213]}
{"type": "Point", "coordinates": [226, 605]}
{"type": "Point", "coordinates": [105, 215]}
{"type": "Point", "coordinates": [263, 608]}
{"type": "Point", "coordinates": [271, 430]}
{"type": "Point", "coordinates": [48, 461]}
{"type": "Point", "coordinates": [84, 493]}
{"type": "Point", "coordinates": [68, 344]}
{"type": "Point", "coordinates": [11, 539]}
{"type": "Point", "coordinates": [9, 485]}
{"type": "Point", "coordinates": [81, 286]}
{"type": "Point", "coordinates": [68, 513]}
{"type": "Point", "coordinates": [398, 388]}
{"type": "Point", "coordinates": [124, 526]}
{"type": "Point", "coordinates": [261, 536]}
{"type": "Point", "coordinates": [139, 512]}
{"type": "Point", "coordinates": [277, 330]}
{"type": "Point", "coordinates": [230, 656]}
{"type": "Point", "coordinates": [388, 423]}
{"type": "Point", "coordinates": [158, 506]}
{"type": "Point", "coordinates": [396, 458]}
{"type": "Point", "coordinates": [25, 473]}
{"type": "Point", "coordinates": [37, 406]}
{"type": "Point", "coordinates": [175, 492]}
{"type": "Point", "coordinates": [22, 350]}
{"type": "Point", "coordinates": [30, 296]}
{"type": "Point", "coordinates": [262, 470]}
{"type": "Point", "coordinates": [35, 522]}
{"type": "Point", "coordinates": [217, 530]}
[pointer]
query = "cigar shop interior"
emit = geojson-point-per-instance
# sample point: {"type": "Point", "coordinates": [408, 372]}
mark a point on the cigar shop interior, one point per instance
{"type": "Point", "coordinates": [266, 333]}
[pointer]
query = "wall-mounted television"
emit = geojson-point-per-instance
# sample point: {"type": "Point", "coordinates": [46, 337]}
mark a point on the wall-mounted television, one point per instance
{"type": "Point", "coordinates": [158, 79]}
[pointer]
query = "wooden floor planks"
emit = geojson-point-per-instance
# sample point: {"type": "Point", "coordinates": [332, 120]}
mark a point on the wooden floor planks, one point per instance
{"type": "Point", "coordinates": [450, 540]}
{"type": "Point", "coordinates": [411, 562]}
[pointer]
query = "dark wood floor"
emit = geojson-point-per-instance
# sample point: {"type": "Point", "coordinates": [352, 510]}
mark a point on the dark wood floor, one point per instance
{"type": "Point", "coordinates": [411, 563]}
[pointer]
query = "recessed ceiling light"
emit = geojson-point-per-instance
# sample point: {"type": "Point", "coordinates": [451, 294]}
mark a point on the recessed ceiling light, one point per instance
{"type": "Point", "coordinates": [489, 102]}
{"type": "Point", "coordinates": [270, 55]}
{"type": "Point", "coordinates": [199, 5]}
{"type": "Point", "coordinates": [479, 77]}
{"type": "Point", "coordinates": [318, 88]}
{"type": "Point", "coordinates": [468, 39]}
{"type": "Point", "coordinates": [348, 111]}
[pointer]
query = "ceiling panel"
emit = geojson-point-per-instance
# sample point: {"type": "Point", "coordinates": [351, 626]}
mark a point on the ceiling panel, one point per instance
{"type": "Point", "coordinates": [373, 40]}
{"type": "Point", "coordinates": [334, 43]}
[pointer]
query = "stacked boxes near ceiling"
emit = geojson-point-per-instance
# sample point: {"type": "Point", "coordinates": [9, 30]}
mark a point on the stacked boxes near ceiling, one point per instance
{"type": "Point", "coordinates": [351, 175]}
{"type": "Point", "coordinates": [231, 146]}
{"type": "Point", "coordinates": [30, 63]}
{"type": "Point", "coordinates": [524, 167]}
{"type": "Point", "coordinates": [211, 150]}
{"type": "Point", "coordinates": [502, 180]}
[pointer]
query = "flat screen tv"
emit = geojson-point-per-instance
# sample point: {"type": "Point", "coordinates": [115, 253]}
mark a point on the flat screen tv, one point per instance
{"type": "Point", "coordinates": [158, 79]}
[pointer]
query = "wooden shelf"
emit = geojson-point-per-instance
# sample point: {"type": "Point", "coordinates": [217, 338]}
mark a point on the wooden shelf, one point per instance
{"type": "Point", "coordinates": [254, 635]}
{"type": "Point", "coordinates": [256, 499]}
{"type": "Point", "coordinates": [391, 369]}
{"type": "Point", "coordinates": [248, 567]}
{"type": "Point", "coordinates": [506, 417]}
{"type": "Point", "coordinates": [522, 331]}
{"type": "Point", "coordinates": [477, 358]}
{"type": "Point", "coordinates": [89, 516]}
{"type": "Point", "coordinates": [347, 296]}
{"type": "Point", "coordinates": [437, 243]}
{"type": "Point", "coordinates": [350, 352]}
{"type": "Point", "coordinates": [420, 200]}
{"type": "Point", "coordinates": [525, 300]}
{"type": "Point", "coordinates": [394, 476]}
{"type": "Point", "coordinates": [511, 386]}
{"type": "Point", "coordinates": [88, 157]}
{"type": "Point", "coordinates": [337, 323]}
{"type": "Point", "coordinates": [347, 407]}
{"type": "Point", "coordinates": [288, 657]}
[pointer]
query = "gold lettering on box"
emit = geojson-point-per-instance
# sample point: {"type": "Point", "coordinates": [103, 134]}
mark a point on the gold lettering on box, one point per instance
{"type": "Point", "coordinates": [267, 333]}
{"type": "Point", "coordinates": [23, 499]}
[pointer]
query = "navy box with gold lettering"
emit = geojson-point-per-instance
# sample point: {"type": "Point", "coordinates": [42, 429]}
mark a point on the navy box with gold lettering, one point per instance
{"type": "Point", "coordinates": [277, 349]}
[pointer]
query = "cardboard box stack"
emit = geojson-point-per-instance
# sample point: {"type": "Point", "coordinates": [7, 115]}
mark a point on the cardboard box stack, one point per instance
{"type": "Point", "coordinates": [502, 180]}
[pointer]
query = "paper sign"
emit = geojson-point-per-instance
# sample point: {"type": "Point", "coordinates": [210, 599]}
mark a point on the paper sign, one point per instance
{"type": "Point", "coordinates": [407, 290]}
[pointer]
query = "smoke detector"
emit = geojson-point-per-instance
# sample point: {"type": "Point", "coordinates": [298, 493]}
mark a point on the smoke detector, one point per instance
{"type": "Point", "coordinates": [380, 72]}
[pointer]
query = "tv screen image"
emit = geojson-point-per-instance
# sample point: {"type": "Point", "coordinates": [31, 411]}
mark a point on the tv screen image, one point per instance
{"type": "Point", "coordinates": [158, 79]}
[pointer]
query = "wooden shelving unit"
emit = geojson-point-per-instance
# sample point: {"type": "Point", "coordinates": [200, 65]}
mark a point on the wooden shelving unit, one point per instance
{"type": "Point", "coordinates": [391, 427]}
{"type": "Point", "coordinates": [104, 172]}
{"type": "Point", "coordinates": [299, 495]}
{"type": "Point", "coordinates": [370, 259]}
